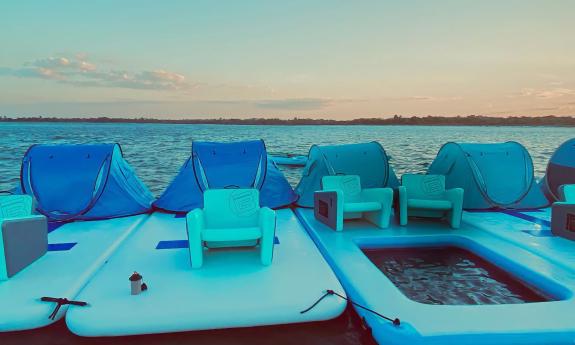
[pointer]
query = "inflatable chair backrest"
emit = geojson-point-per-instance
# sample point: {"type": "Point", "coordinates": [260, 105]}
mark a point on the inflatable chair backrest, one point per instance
{"type": "Point", "coordinates": [424, 186]}
{"type": "Point", "coordinates": [231, 208]}
{"type": "Point", "coordinates": [350, 185]}
{"type": "Point", "coordinates": [15, 206]}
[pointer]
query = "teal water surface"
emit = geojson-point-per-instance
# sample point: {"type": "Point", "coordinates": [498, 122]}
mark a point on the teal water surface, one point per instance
{"type": "Point", "coordinates": [157, 151]}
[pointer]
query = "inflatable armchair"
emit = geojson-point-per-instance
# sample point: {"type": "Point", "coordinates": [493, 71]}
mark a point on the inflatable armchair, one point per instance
{"type": "Point", "coordinates": [425, 196]}
{"type": "Point", "coordinates": [23, 235]}
{"type": "Point", "coordinates": [563, 213]}
{"type": "Point", "coordinates": [231, 218]}
{"type": "Point", "coordinates": [342, 198]}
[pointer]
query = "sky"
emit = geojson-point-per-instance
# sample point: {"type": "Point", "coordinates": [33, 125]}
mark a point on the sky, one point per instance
{"type": "Point", "coordinates": [307, 58]}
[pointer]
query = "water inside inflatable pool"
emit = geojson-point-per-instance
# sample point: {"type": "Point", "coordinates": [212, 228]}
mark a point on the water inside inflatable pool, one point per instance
{"type": "Point", "coordinates": [451, 276]}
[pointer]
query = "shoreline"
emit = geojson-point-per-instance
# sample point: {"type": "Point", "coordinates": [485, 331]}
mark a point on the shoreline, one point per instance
{"type": "Point", "coordinates": [543, 121]}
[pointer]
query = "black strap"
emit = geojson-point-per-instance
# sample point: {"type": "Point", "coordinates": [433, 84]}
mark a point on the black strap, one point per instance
{"type": "Point", "coordinates": [396, 321]}
{"type": "Point", "coordinates": [60, 302]}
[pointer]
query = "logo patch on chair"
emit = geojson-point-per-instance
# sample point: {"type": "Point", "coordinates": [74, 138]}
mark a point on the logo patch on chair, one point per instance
{"type": "Point", "coordinates": [244, 203]}
{"type": "Point", "coordinates": [350, 185]}
{"type": "Point", "coordinates": [432, 185]}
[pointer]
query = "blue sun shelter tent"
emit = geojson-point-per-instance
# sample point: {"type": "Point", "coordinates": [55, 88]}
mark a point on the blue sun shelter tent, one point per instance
{"type": "Point", "coordinates": [82, 182]}
{"type": "Point", "coordinates": [367, 160]}
{"type": "Point", "coordinates": [214, 165]}
{"type": "Point", "coordinates": [494, 176]}
{"type": "Point", "coordinates": [560, 170]}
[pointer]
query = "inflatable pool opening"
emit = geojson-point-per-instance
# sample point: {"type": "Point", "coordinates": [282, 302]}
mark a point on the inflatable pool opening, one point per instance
{"type": "Point", "coordinates": [451, 275]}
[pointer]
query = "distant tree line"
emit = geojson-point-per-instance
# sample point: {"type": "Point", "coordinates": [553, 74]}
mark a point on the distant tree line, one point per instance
{"type": "Point", "coordinates": [471, 120]}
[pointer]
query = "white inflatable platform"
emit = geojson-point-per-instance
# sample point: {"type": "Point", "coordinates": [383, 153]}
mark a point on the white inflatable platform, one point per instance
{"type": "Point", "coordinates": [231, 289]}
{"type": "Point", "coordinates": [75, 252]}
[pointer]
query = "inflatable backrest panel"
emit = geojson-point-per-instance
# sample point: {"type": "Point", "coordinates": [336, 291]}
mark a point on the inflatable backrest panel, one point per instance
{"type": "Point", "coordinates": [229, 208]}
{"type": "Point", "coordinates": [15, 206]}
{"type": "Point", "coordinates": [423, 186]}
{"type": "Point", "coordinates": [350, 185]}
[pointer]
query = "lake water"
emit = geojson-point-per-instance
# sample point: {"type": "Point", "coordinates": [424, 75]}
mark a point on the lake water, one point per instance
{"type": "Point", "coordinates": [157, 151]}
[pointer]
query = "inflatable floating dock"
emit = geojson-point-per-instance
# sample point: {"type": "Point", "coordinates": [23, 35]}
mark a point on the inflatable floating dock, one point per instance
{"type": "Point", "coordinates": [231, 289]}
{"type": "Point", "coordinates": [470, 253]}
{"type": "Point", "coordinates": [67, 182]}
{"type": "Point", "coordinates": [525, 323]}
{"type": "Point", "coordinates": [497, 277]}
{"type": "Point", "coordinates": [75, 253]}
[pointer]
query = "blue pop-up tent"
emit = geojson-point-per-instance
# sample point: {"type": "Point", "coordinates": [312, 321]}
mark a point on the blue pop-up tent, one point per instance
{"type": "Point", "coordinates": [368, 160]}
{"type": "Point", "coordinates": [83, 182]}
{"type": "Point", "coordinates": [560, 170]}
{"type": "Point", "coordinates": [213, 165]}
{"type": "Point", "coordinates": [494, 176]}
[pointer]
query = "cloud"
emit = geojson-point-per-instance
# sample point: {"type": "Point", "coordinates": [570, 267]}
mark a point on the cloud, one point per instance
{"type": "Point", "coordinates": [294, 103]}
{"type": "Point", "coordinates": [424, 98]}
{"type": "Point", "coordinates": [547, 93]}
{"type": "Point", "coordinates": [78, 71]}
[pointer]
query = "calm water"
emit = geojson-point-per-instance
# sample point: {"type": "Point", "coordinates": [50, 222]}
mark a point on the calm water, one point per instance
{"type": "Point", "coordinates": [157, 151]}
{"type": "Point", "coordinates": [450, 275]}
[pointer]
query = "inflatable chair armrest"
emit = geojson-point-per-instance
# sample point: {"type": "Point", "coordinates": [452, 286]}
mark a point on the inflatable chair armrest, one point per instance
{"type": "Point", "coordinates": [339, 193]}
{"type": "Point", "coordinates": [567, 192]}
{"type": "Point", "coordinates": [402, 195]}
{"type": "Point", "coordinates": [267, 218]}
{"type": "Point", "coordinates": [454, 195]}
{"type": "Point", "coordinates": [563, 219]}
{"type": "Point", "coordinates": [195, 219]}
{"type": "Point", "coordinates": [381, 195]}
{"type": "Point", "coordinates": [24, 218]}
{"type": "Point", "coordinates": [23, 240]}
{"type": "Point", "coordinates": [328, 207]}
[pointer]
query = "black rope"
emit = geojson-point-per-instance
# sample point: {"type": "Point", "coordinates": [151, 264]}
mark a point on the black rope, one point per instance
{"type": "Point", "coordinates": [396, 321]}
{"type": "Point", "coordinates": [60, 302]}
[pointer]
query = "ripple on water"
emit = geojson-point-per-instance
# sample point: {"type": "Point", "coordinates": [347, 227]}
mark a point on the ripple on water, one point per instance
{"type": "Point", "coordinates": [157, 151]}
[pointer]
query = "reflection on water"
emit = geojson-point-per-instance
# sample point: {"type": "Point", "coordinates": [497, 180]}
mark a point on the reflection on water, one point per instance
{"type": "Point", "coordinates": [157, 151]}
